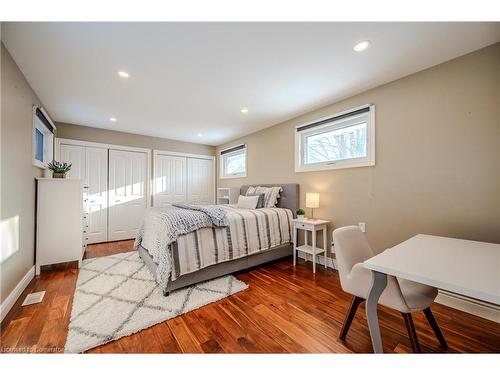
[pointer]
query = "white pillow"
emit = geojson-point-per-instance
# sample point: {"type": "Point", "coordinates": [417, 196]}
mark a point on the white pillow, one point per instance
{"type": "Point", "coordinates": [248, 202]}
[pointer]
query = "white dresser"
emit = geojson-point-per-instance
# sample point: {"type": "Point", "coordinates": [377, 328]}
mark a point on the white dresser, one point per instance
{"type": "Point", "coordinates": [59, 224]}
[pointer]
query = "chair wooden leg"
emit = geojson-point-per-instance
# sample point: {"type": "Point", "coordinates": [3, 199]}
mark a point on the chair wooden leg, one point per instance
{"type": "Point", "coordinates": [412, 334]}
{"type": "Point", "coordinates": [350, 316]}
{"type": "Point", "coordinates": [435, 327]}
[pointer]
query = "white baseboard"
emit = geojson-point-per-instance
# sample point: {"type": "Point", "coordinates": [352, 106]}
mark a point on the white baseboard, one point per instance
{"type": "Point", "coordinates": [14, 295]}
{"type": "Point", "coordinates": [330, 262]}
{"type": "Point", "coordinates": [479, 308]}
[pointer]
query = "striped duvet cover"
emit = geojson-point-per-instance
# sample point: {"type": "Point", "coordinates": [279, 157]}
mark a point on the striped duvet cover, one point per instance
{"type": "Point", "coordinates": [249, 232]}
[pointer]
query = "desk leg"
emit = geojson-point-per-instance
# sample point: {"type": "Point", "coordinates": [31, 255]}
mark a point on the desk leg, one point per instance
{"type": "Point", "coordinates": [379, 282]}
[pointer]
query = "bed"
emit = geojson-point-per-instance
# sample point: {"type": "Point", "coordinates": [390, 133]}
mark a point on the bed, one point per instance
{"type": "Point", "coordinates": [253, 237]}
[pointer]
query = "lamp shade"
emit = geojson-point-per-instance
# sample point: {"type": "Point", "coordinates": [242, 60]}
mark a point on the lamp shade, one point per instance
{"type": "Point", "coordinates": [312, 200]}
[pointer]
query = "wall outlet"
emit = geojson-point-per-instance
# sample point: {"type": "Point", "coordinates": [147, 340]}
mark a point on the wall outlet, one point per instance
{"type": "Point", "coordinates": [362, 226]}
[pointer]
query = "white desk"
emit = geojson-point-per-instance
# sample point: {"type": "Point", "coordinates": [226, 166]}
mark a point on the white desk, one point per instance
{"type": "Point", "coordinates": [469, 268]}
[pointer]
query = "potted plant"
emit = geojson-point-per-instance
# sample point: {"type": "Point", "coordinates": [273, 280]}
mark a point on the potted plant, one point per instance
{"type": "Point", "coordinates": [59, 169]}
{"type": "Point", "coordinates": [300, 213]}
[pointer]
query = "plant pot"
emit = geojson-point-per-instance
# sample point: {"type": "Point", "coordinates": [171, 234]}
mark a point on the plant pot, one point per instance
{"type": "Point", "coordinates": [58, 175]}
{"type": "Point", "coordinates": [300, 217]}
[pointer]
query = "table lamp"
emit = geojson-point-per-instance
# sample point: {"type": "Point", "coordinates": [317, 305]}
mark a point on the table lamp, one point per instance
{"type": "Point", "coordinates": [312, 202]}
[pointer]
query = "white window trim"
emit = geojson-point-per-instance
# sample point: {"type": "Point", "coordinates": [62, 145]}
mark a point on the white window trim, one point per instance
{"type": "Point", "coordinates": [368, 161]}
{"type": "Point", "coordinates": [224, 176]}
{"type": "Point", "coordinates": [36, 162]}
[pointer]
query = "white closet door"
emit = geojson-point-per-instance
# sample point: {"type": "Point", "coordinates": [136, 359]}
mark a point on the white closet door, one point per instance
{"type": "Point", "coordinates": [127, 193]}
{"type": "Point", "coordinates": [76, 156]}
{"type": "Point", "coordinates": [96, 161]}
{"type": "Point", "coordinates": [169, 180]}
{"type": "Point", "coordinates": [200, 181]}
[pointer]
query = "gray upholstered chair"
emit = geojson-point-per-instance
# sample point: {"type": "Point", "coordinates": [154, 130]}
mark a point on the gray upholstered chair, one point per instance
{"type": "Point", "coordinates": [351, 250]}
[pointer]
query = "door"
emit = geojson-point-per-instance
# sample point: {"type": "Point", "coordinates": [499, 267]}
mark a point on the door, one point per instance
{"type": "Point", "coordinates": [96, 162]}
{"type": "Point", "coordinates": [76, 156]}
{"type": "Point", "coordinates": [200, 181]}
{"type": "Point", "coordinates": [169, 180]}
{"type": "Point", "coordinates": [127, 193]}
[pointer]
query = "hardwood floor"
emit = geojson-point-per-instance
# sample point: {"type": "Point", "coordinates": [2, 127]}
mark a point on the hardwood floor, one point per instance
{"type": "Point", "coordinates": [283, 311]}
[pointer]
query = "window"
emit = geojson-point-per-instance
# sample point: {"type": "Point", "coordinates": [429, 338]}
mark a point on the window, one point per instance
{"type": "Point", "coordinates": [233, 162]}
{"type": "Point", "coordinates": [38, 145]}
{"type": "Point", "coordinates": [43, 138]}
{"type": "Point", "coordinates": [345, 140]}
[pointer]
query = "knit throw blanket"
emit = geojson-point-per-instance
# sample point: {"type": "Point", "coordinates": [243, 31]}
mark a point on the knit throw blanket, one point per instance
{"type": "Point", "coordinates": [162, 226]}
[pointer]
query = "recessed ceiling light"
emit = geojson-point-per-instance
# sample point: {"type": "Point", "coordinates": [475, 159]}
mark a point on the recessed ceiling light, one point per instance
{"type": "Point", "coordinates": [123, 74]}
{"type": "Point", "coordinates": [244, 110]}
{"type": "Point", "coordinates": [200, 135]}
{"type": "Point", "coordinates": [361, 46]}
{"type": "Point", "coordinates": [112, 119]}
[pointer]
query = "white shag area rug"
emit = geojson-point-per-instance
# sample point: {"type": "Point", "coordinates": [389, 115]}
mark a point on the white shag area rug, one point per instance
{"type": "Point", "coordinates": [117, 296]}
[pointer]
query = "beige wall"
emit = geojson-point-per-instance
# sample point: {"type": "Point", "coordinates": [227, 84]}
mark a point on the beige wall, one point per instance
{"type": "Point", "coordinates": [18, 173]}
{"type": "Point", "coordinates": [437, 156]}
{"type": "Point", "coordinates": [85, 133]}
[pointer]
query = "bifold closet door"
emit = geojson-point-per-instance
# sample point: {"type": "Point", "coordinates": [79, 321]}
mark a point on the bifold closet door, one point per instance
{"type": "Point", "coordinates": [96, 171]}
{"type": "Point", "coordinates": [169, 180]}
{"type": "Point", "coordinates": [127, 193]}
{"type": "Point", "coordinates": [200, 181]}
{"type": "Point", "coordinates": [90, 165]}
{"type": "Point", "coordinates": [76, 156]}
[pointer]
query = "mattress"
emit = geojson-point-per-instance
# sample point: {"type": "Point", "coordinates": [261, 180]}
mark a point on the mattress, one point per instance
{"type": "Point", "coordinates": [249, 232]}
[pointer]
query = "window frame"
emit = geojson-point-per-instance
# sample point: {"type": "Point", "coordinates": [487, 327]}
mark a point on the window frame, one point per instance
{"type": "Point", "coordinates": [347, 121]}
{"type": "Point", "coordinates": [48, 138]}
{"type": "Point", "coordinates": [222, 157]}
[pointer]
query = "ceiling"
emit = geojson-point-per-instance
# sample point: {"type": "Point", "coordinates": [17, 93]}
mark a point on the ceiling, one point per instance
{"type": "Point", "coordinates": [191, 78]}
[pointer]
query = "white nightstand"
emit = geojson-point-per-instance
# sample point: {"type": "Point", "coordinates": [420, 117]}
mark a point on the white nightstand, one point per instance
{"type": "Point", "coordinates": [309, 225]}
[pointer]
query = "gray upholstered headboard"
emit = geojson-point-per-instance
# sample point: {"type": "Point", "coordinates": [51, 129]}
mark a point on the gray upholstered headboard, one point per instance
{"type": "Point", "coordinates": [289, 197]}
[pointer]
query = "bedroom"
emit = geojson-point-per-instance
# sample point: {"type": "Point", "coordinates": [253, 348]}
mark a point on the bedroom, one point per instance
{"type": "Point", "coordinates": [194, 152]}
